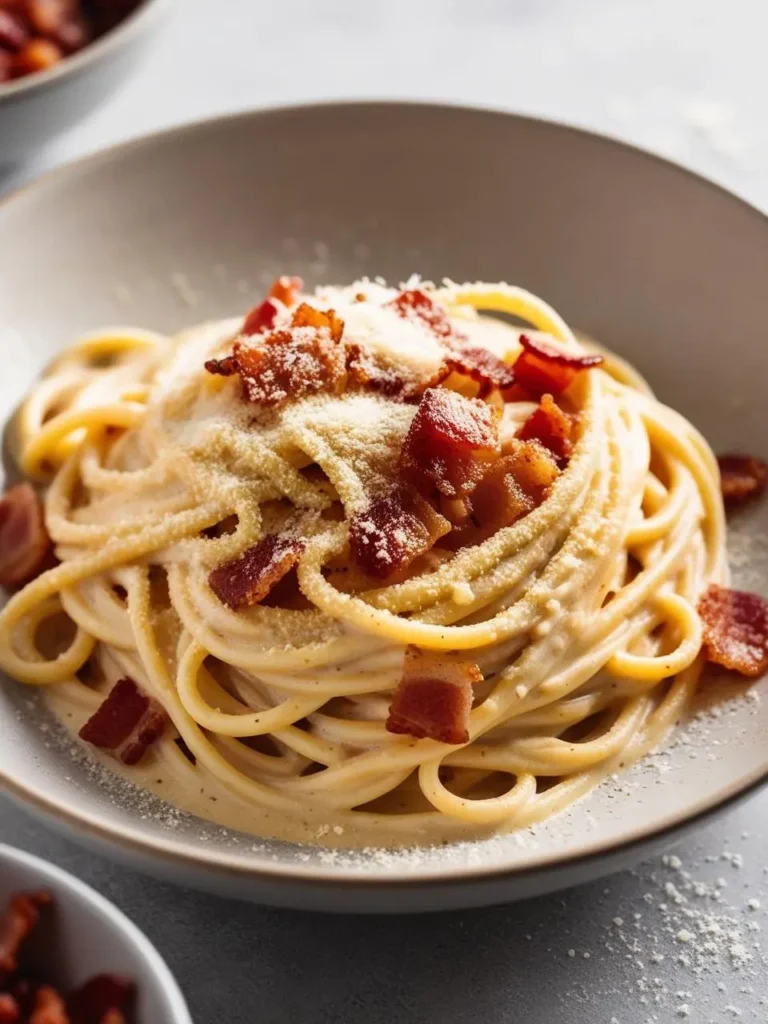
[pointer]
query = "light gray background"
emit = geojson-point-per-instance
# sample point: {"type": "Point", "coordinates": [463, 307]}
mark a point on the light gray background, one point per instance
{"type": "Point", "coordinates": [688, 79]}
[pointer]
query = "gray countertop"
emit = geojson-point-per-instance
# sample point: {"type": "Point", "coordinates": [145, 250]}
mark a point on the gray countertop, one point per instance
{"type": "Point", "coordinates": [679, 939]}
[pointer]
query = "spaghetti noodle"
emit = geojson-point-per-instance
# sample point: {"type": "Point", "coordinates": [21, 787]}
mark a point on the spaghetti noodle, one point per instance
{"type": "Point", "coordinates": [576, 613]}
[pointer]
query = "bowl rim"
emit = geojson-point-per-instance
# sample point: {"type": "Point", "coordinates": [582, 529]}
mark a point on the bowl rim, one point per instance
{"type": "Point", "coordinates": [140, 18]}
{"type": "Point", "coordinates": [175, 853]}
{"type": "Point", "coordinates": [118, 921]}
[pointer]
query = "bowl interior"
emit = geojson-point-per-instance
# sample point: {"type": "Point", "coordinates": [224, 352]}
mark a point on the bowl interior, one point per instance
{"type": "Point", "coordinates": [86, 935]}
{"type": "Point", "coordinates": [655, 263]}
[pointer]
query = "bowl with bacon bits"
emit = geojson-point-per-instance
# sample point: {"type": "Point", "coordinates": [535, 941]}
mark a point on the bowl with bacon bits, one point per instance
{"type": "Point", "coordinates": [360, 556]}
{"type": "Point", "coordinates": [68, 956]}
{"type": "Point", "coordinates": [61, 58]}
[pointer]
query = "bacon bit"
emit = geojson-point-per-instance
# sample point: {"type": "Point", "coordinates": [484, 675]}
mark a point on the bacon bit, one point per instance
{"type": "Point", "coordinates": [286, 290]}
{"type": "Point", "coordinates": [286, 367]}
{"type": "Point", "coordinates": [499, 500]}
{"type": "Point", "coordinates": [551, 427]}
{"type": "Point", "coordinates": [513, 486]}
{"type": "Point", "coordinates": [49, 1007]}
{"type": "Point", "coordinates": [532, 466]}
{"type": "Point", "coordinates": [10, 1011]}
{"type": "Point", "coordinates": [127, 723]}
{"type": "Point", "coordinates": [735, 629]}
{"type": "Point", "coordinates": [482, 366]}
{"type": "Point", "coordinates": [261, 318]}
{"type": "Point", "coordinates": [37, 55]}
{"type": "Point", "coordinates": [25, 547]}
{"type": "Point", "coordinates": [320, 319]}
{"type": "Point", "coordinates": [102, 995]}
{"type": "Point", "coordinates": [449, 444]}
{"type": "Point", "coordinates": [417, 305]}
{"type": "Point", "coordinates": [434, 698]}
{"type": "Point", "coordinates": [368, 372]}
{"type": "Point", "coordinates": [248, 579]}
{"type": "Point", "coordinates": [393, 531]}
{"type": "Point", "coordinates": [225, 367]}
{"type": "Point", "coordinates": [21, 917]}
{"type": "Point", "coordinates": [542, 368]}
{"type": "Point", "coordinates": [742, 477]}
{"type": "Point", "coordinates": [13, 31]}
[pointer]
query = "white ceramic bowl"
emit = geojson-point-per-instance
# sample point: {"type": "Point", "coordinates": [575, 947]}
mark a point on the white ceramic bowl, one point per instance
{"type": "Point", "coordinates": [36, 108]}
{"type": "Point", "coordinates": [190, 224]}
{"type": "Point", "coordinates": [90, 937]}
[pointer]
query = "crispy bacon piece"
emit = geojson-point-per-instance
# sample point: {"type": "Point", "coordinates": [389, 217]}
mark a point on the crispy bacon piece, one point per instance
{"type": "Point", "coordinates": [127, 723]}
{"type": "Point", "coordinates": [434, 697]}
{"type": "Point", "coordinates": [415, 304]}
{"type": "Point", "coordinates": [742, 477]}
{"type": "Point", "coordinates": [286, 289]}
{"type": "Point", "coordinates": [20, 919]}
{"type": "Point", "coordinates": [25, 547]}
{"type": "Point", "coordinates": [10, 1011]}
{"type": "Point", "coordinates": [294, 362]}
{"type": "Point", "coordinates": [449, 444]}
{"type": "Point", "coordinates": [103, 995]}
{"type": "Point", "coordinates": [532, 466]}
{"type": "Point", "coordinates": [551, 427]}
{"type": "Point", "coordinates": [248, 579]}
{"type": "Point", "coordinates": [13, 31]}
{"type": "Point", "coordinates": [365, 370]}
{"type": "Point", "coordinates": [735, 629]}
{"type": "Point", "coordinates": [262, 317]}
{"type": "Point", "coordinates": [542, 368]}
{"type": "Point", "coordinates": [511, 487]}
{"type": "Point", "coordinates": [320, 319]}
{"type": "Point", "coordinates": [393, 531]}
{"type": "Point", "coordinates": [49, 1007]}
{"type": "Point", "coordinates": [482, 366]}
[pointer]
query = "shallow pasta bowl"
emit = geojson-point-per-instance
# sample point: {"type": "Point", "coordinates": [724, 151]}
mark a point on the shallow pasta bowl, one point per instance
{"type": "Point", "coordinates": [188, 225]}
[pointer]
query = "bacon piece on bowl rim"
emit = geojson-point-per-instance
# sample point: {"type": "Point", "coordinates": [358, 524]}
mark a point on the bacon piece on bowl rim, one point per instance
{"type": "Point", "coordinates": [434, 697]}
{"type": "Point", "coordinates": [551, 427]}
{"type": "Point", "coordinates": [19, 921]}
{"type": "Point", "coordinates": [735, 629]}
{"type": "Point", "coordinates": [541, 368]}
{"type": "Point", "coordinates": [25, 546]}
{"type": "Point", "coordinates": [742, 477]}
{"type": "Point", "coordinates": [449, 444]}
{"type": "Point", "coordinates": [248, 579]}
{"type": "Point", "coordinates": [393, 531]}
{"type": "Point", "coordinates": [127, 723]}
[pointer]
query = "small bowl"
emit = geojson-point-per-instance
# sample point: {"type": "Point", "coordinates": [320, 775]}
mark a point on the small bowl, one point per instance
{"type": "Point", "coordinates": [36, 108]}
{"type": "Point", "coordinates": [91, 936]}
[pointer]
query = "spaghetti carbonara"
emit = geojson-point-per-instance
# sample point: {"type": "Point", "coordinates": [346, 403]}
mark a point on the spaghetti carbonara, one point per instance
{"type": "Point", "coordinates": [387, 568]}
